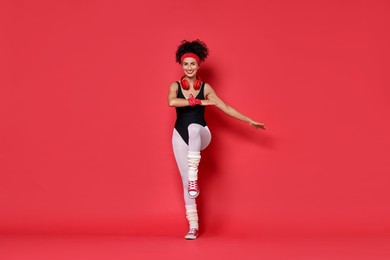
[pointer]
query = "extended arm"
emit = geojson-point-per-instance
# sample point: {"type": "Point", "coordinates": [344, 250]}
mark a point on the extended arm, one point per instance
{"type": "Point", "coordinates": [212, 96]}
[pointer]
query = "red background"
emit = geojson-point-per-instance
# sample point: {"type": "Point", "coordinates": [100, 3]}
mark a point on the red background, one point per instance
{"type": "Point", "coordinates": [85, 128]}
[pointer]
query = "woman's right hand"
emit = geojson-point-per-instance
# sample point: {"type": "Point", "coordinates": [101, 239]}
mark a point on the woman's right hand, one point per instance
{"type": "Point", "coordinates": [206, 102]}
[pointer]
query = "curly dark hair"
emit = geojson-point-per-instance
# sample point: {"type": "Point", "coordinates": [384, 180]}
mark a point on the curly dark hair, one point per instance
{"type": "Point", "coordinates": [197, 47]}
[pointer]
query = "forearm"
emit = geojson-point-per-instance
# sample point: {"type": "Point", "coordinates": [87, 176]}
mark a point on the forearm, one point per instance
{"type": "Point", "coordinates": [178, 102]}
{"type": "Point", "coordinates": [235, 114]}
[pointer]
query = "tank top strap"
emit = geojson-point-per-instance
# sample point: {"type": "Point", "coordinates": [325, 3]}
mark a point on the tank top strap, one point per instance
{"type": "Point", "coordinates": [202, 90]}
{"type": "Point", "coordinates": [179, 92]}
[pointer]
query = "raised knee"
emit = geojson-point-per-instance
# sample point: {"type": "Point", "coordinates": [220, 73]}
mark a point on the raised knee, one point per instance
{"type": "Point", "coordinates": [194, 129]}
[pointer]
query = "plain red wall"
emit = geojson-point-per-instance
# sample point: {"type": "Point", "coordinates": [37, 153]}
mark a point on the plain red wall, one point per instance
{"type": "Point", "coordinates": [85, 130]}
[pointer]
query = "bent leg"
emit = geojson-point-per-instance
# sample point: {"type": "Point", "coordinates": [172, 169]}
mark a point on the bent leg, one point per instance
{"type": "Point", "coordinates": [180, 150]}
{"type": "Point", "coordinates": [199, 138]}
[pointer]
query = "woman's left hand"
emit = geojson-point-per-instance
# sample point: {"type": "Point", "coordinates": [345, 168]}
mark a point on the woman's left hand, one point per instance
{"type": "Point", "coordinates": [257, 125]}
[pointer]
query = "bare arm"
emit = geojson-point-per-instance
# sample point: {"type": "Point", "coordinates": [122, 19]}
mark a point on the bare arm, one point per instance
{"type": "Point", "coordinates": [173, 101]}
{"type": "Point", "coordinates": [212, 96]}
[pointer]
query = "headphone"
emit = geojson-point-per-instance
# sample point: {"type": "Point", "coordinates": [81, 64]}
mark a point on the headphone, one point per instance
{"type": "Point", "coordinates": [186, 85]}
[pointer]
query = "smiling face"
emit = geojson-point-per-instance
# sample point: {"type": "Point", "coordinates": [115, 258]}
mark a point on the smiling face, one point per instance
{"type": "Point", "coordinates": [190, 67]}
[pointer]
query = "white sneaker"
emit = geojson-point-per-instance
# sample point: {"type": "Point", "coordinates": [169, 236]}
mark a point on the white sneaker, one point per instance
{"type": "Point", "coordinates": [193, 189]}
{"type": "Point", "coordinates": [192, 234]}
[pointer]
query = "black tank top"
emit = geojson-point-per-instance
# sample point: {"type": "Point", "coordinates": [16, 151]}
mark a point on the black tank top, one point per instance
{"type": "Point", "coordinates": [190, 114]}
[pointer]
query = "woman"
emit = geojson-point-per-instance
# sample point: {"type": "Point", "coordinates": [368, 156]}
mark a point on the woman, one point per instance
{"type": "Point", "coordinates": [191, 135]}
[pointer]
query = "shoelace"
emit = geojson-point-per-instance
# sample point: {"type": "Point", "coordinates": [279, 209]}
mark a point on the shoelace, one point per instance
{"type": "Point", "coordinates": [193, 185]}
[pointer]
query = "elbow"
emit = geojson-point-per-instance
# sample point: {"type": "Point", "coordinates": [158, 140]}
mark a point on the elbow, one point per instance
{"type": "Point", "coordinates": [171, 103]}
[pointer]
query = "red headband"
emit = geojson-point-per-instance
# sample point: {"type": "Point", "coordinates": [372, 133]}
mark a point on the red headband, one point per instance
{"type": "Point", "coordinates": [190, 55]}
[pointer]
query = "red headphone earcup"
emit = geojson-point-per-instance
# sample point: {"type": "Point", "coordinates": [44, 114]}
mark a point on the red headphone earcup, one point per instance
{"type": "Point", "coordinates": [185, 84]}
{"type": "Point", "coordinates": [198, 83]}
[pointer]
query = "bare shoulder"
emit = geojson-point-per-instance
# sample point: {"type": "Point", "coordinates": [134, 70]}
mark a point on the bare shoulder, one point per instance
{"type": "Point", "coordinates": [207, 89]}
{"type": "Point", "coordinates": [173, 86]}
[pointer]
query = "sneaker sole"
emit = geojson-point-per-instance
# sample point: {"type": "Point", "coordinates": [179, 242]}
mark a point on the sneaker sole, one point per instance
{"type": "Point", "coordinates": [190, 237]}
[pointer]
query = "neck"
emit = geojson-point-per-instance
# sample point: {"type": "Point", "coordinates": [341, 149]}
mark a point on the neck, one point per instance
{"type": "Point", "coordinates": [190, 79]}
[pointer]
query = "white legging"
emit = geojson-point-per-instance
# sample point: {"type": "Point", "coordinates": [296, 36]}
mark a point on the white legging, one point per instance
{"type": "Point", "coordinates": [199, 138]}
